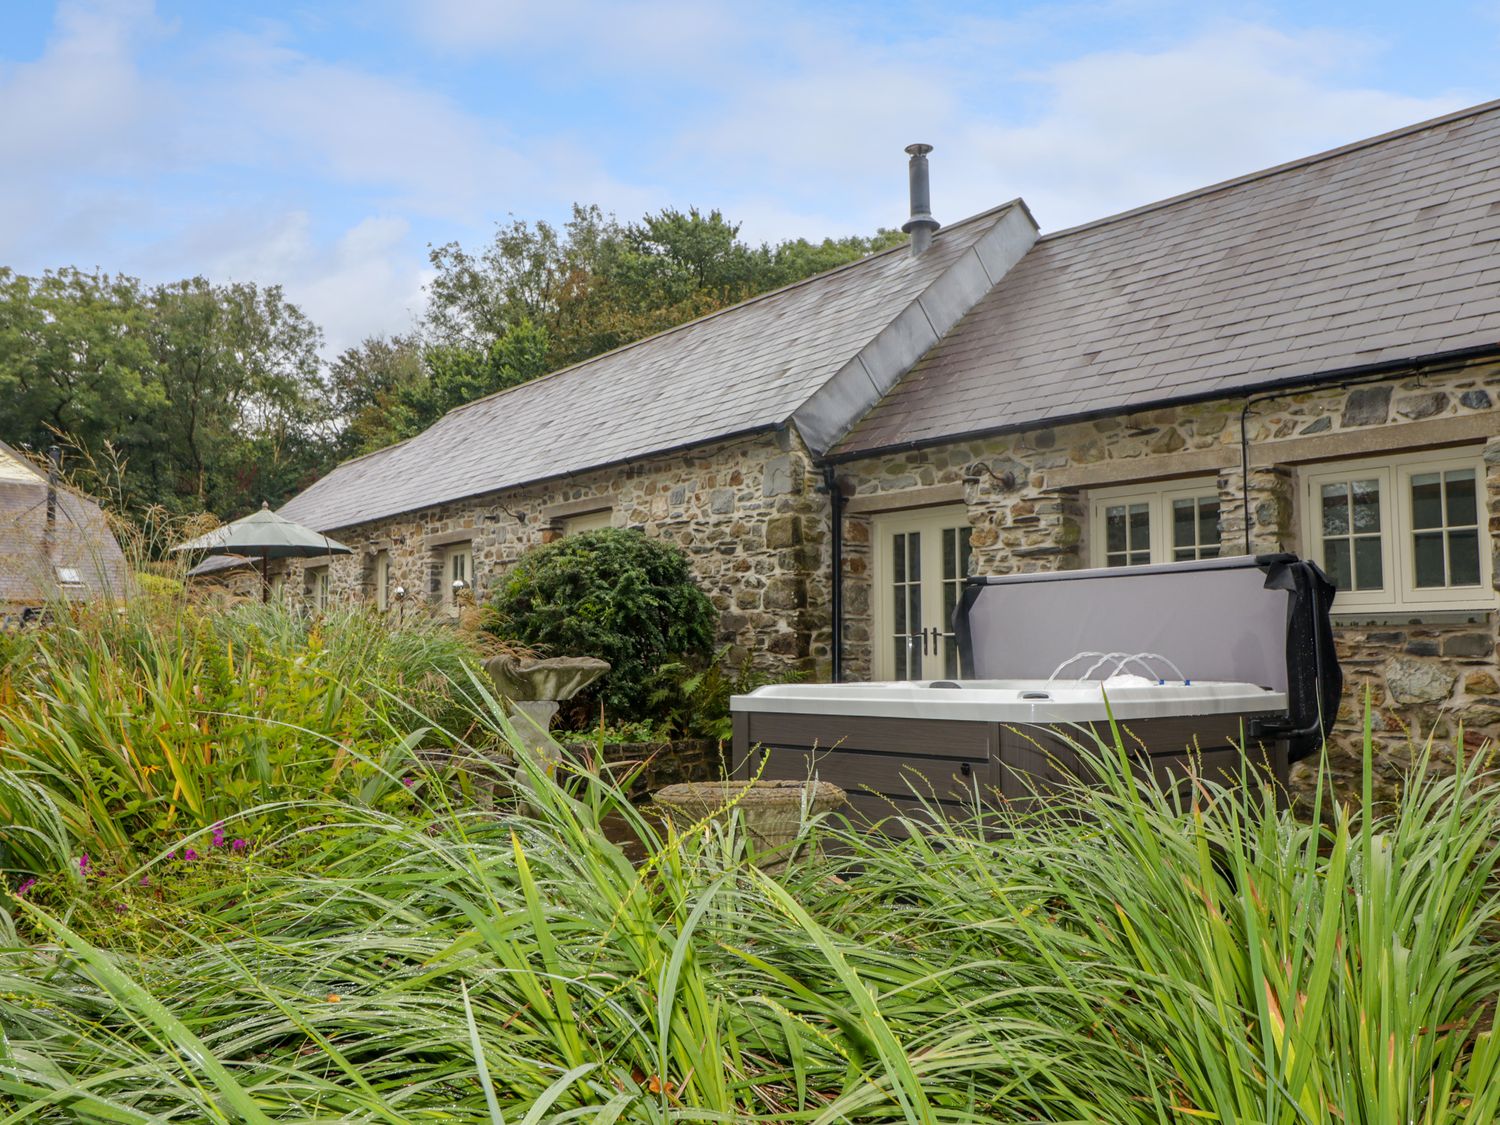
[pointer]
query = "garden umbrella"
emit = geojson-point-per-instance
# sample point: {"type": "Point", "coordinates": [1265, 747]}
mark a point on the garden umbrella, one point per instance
{"type": "Point", "coordinates": [266, 536]}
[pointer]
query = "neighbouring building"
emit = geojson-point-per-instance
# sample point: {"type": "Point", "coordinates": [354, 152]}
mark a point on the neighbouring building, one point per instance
{"type": "Point", "coordinates": [55, 544]}
{"type": "Point", "coordinates": [1306, 359]}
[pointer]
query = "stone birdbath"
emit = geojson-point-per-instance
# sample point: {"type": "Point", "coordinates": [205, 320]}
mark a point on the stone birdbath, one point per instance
{"type": "Point", "coordinates": [533, 689]}
{"type": "Point", "coordinates": [773, 811]}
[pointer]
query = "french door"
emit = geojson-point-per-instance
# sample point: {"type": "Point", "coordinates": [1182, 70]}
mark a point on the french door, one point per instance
{"type": "Point", "coordinates": [921, 558]}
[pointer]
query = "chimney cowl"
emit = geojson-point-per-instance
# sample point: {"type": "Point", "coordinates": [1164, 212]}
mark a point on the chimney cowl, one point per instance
{"type": "Point", "coordinates": [921, 225]}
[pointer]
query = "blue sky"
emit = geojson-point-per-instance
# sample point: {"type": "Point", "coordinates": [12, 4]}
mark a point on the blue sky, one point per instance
{"type": "Point", "coordinates": [323, 146]}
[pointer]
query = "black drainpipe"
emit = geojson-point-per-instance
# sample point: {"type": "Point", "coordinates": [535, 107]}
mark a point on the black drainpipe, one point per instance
{"type": "Point", "coordinates": [836, 609]}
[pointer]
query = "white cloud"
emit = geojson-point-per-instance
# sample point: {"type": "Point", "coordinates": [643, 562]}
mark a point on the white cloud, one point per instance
{"type": "Point", "coordinates": [366, 280]}
{"type": "Point", "coordinates": [380, 135]}
{"type": "Point", "coordinates": [1079, 140]}
{"type": "Point", "coordinates": [645, 36]}
{"type": "Point", "coordinates": [80, 110]}
{"type": "Point", "coordinates": [1127, 127]}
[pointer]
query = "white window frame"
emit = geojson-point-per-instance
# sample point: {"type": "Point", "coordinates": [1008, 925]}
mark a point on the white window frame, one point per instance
{"type": "Point", "coordinates": [318, 583]}
{"type": "Point", "coordinates": [1400, 593]}
{"type": "Point", "coordinates": [930, 521]}
{"type": "Point", "coordinates": [382, 581]}
{"type": "Point", "coordinates": [1158, 498]}
{"type": "Point", "coordinates": [452, 551]}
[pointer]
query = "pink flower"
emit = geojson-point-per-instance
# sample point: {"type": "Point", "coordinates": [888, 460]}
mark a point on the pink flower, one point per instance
{"type": "Point", "coordinates": [219, 834]}
{"type": "Point", "coordinates": [119, 908]}
{"type": "Point", "coordinates": [408, 781]}
{"type": "Point", "coordinates": [188, 855]}
{"type": "Point", "coordinates": [25, 886]}
{"type": "Point", "coordinates": [83, 864]}
{"type": "Point", "coordinates": [145, 880]}
{"type": "Point", "coordinates": [238, 845]}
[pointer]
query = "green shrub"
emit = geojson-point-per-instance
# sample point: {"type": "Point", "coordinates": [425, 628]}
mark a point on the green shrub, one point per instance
{"type": "Point", "coordinates": [690, 702]}
{"type": "Point", "coordinates": [614, 594]}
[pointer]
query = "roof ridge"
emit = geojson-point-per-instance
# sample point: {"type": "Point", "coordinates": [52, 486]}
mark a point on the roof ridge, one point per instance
{"type": "Point", "coordinates": [899, 248]}
{"type": "Point", "coordinates": [1278, 169]}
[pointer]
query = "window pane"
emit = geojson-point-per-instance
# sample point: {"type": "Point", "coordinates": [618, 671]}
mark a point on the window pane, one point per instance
{"type": "Point", "coordinates": [1463, 558]}
{"type": "Point", "coordinates": [1114, 528]}
{"type": "Point", "coordinates": [1184, 554]}
{"type": "Point", "coordinates": [1208, 526]}
{"type": "Point", "coordinates": [1366, 505]}
{"type": "Point", "coordinates": [1336, 562]}
{"type": "Point", "coordinates": [914, 555]}
{"type": "Point", "coordinates": [1335, 509]}
{"type": "Point", "coordinates": [965, 552]}
{"type": "Point", "coordinates": [1428, 557]}
{"type": "Point", "coordinates": [899, 601]}
{"type": "Point", "coordinates": [914, 612]}
{"type": "Point", "coordinates": [1462, 511]}
{"type": "Point", "coordinates": [1427, 500]}
{"type": "Point", "coordinates": [1368, 564]}
{"type": "Point", "coordinates": [900, 661]}
{"type": "Point", "coordinates": [1140, 529]}
{"type": "Point", "coordinates": [950, 551]}
{"type": "Point", "coordinates": [1184, 523]}
{"type": "Point", "coordinates": [898, 558]}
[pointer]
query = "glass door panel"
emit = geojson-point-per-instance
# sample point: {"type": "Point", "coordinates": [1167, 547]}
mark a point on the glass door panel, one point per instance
{"type": "Point", "coordinates": [921, 561]}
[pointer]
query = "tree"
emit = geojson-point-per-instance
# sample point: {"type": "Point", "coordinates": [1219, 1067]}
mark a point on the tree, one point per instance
{"type": "Point", "coordinates": [189, 395]}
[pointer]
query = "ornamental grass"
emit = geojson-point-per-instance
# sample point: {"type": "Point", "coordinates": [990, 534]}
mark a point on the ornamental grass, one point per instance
{"type": "Point", "coordinates": [1121, 955]}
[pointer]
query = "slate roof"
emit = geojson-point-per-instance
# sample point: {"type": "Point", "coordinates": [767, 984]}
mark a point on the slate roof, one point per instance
{"type": "Point", "coordinates": [1388, 249]}
{"type": "Point", "coordinates": [81, 540]}
{"type": "Point", "coordinates": [739, 370]}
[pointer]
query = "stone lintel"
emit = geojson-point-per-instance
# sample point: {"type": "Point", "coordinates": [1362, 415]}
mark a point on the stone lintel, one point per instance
{"type": "Point", "coordinates": [448, 538]}
{"type": "Point", "coordinates": [570, 508]}
{"type": "Point", "coordinates": [1392, 438]}
{"type": "Point", "coordinates": [904, 498]}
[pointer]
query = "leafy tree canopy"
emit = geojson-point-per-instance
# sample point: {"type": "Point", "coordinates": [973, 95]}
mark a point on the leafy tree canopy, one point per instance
{"type": "Point", "coordinates": [190, 395]}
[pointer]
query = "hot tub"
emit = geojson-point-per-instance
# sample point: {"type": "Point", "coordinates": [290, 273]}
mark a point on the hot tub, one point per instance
{"type": "Point", "coordinates": [1221, 669]}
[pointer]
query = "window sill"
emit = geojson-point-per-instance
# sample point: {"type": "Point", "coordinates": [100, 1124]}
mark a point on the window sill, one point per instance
{"type": "Point", "coordinates": [1350, 617]}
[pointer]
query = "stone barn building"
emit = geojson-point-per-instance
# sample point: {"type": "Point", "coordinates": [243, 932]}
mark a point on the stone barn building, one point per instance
{"type": "Point", "coordinates": [1304, 359]}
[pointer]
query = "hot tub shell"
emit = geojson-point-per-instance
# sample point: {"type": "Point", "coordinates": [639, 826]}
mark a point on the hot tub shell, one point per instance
{"type": "Point", "coordinates": [1256, 688]}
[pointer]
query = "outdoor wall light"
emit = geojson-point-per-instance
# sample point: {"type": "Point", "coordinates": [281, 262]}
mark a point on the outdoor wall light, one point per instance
{"type": "Point", "coordinates": [399, 593]}
{"type": "Point", "coordinates": [459, 584]}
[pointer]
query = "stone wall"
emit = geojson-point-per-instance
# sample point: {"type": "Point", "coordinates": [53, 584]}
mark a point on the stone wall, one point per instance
{"type": "Point", "coordinates": [1027, 500]}
{"type": "Point", "coordinates": [750, 514]}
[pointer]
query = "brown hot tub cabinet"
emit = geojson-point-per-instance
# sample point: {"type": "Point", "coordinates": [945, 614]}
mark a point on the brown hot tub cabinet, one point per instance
{"type": "Point", "coordinates": [1210, 668]}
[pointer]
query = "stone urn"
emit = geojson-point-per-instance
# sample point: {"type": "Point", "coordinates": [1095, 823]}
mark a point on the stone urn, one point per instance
{"type": "Point", "coordinates": [773, 811]}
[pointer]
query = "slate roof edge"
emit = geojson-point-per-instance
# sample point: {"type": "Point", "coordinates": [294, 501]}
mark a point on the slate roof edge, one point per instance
{"type": "Point", "coordinates": [1354, 373]}
{"type": "Point", "coordinates": [683, 447]}
{"type": "Point", "coordinates": [833, 409]}
{"type": "Point", "coordinates": [1277, 169]}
